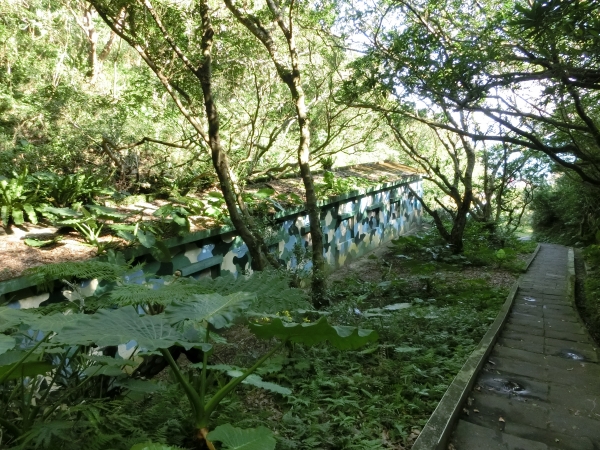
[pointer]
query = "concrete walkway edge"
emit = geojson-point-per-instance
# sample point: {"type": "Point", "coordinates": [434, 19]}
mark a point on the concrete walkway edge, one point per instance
{"type": "Point", "coordinates": [436, 433]}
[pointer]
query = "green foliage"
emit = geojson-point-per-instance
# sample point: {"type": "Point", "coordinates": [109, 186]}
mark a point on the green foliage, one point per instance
{"type": "Point", "coordinates": [65, 190]}
{"type": "Point", "coordinates": [151, 446]}
{"type": "Point", "coordinates": [115, 327]}
{"type": "Point", "coordinates": [589, 296]}
{"type": "Point", "coordinates": [327, 163]}
{"type": "Point", "coordinates": [45, 243]}
{"type": "Point", "coordinates": [393, 385]}
{"type": "Point", "coordinates": [215, 309]}
{"type": "Point", "coordinates": [270, 288]}
{"type": "Point", "coordinates": [481, 248]}
{"type": "Point", "coordinates": [176, 216]}
{"type": "Point", "coordinates": [333, 185]}
{"type": "Point", "coordinates": [19, 199]}
{"type": "Point", "coordinates": [234, 438]}
{"type": "Point", "coordinates": [69, 345]}
{"type": "Point", "coordinates": [83, 270]}
{"type": "Point", "coordinates": [341, 337]}
{"type": "Point", "coordinates": [566, 211]}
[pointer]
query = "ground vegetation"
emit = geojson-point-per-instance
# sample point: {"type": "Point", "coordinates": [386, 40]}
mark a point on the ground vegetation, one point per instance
{"type": "Point", "coordinates": [404, 322]}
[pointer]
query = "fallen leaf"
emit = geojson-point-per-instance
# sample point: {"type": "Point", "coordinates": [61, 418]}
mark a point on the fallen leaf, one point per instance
{"type": "Point", "coordinates": [501, 419]}
{"type": "Point", "coordinates": [476, 410]}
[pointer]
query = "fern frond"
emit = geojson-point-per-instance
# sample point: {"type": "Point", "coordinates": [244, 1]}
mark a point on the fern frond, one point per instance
{"type": "Point", "coordinates": [85, 270]}
{"type": "Point", "coordinates": [135, 294]}
{"type": "Point", "coordinates": [271, 288]}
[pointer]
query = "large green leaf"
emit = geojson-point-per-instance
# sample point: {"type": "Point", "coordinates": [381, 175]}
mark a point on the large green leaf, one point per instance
{"type": "Point", "coordinates": [146, 238]}
{"type": "Point", "coordinates": [119, 326]}
{"type": "Point", "coordinates": [13, 356]}
{"type": "Point", "coordinates": [26, 369]}
{"type": "Point", "coordinates": [61, 212]}
{"type": "Point", "coordinates": [233, 438]}
{"type": "Point", "coordinates": [104, 212]}
{"type": "Point", "coordinates": [151, 446]}
{"type": "Point", "coordinates": [216, 309]}
{"type": "Point", "coordinates": [109, 371]}
{"type": "Point", "coordinates": [17, 215]}
{"type": "Point", "coordinates": [30, 211]}
{"type": "Point", "coordinates": [341, 337]}
{"type": "Point", "coordinates": [4, 211]}
{"type": "Point", "coordinates": [38, 243]}
{"type": "Point", "coordinates": [52, 322]}
{"type": "Point", "coordinates": [271, 288]}
{"type": "Point", "coordinates": [6, 343]}
{"type": "Point", "coordinates": [257, 381]}
{"type": "Point", "coordinates": [253, 379]}
{"type": "Point", "coordinates": [10, 317]}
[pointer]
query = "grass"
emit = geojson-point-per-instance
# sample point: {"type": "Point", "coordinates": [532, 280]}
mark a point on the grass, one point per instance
{"type": "Point", "coordinates": [382, 396]}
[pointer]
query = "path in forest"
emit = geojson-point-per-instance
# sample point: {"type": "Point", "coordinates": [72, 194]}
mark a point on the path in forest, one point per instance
{"type": "Point", "coordinates": [540, 387]}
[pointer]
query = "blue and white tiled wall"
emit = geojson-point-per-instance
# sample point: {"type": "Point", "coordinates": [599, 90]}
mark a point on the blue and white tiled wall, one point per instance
{"type": "Point", "coordinates": [351, 227]}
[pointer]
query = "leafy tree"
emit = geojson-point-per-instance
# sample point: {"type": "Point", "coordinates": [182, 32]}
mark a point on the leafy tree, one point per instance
{"type": "Point", "coordinates": [448, 161]}
{"type": "Point", "coordinates": [178, 49]}
{"type": "Point", "coordinates": [54, 119]}
{"type": "Point", "coordinates": [529, 68]}
{"type": "Point", "coordinates": [506, 187]}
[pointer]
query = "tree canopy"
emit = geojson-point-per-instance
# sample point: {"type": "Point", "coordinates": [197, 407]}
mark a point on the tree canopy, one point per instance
{"type": "Point", "coordinates": [177, 97]}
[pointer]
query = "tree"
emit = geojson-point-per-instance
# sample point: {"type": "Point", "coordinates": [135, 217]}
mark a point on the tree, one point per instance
{"type": "Point", "coordinates": [448, 162]}
{"type": "Point", "coordinates": [53, 118]}
{"type": "Point", "coordinates": [506, 187]}
{"type": "Point", "coordinates": [178, 50]}
{"type": "Point", "coordinates": [531, 68]}
{"type": "Point", "coordinates": [289, 71]}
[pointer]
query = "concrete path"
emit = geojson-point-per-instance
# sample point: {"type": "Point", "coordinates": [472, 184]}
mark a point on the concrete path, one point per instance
{"type": "Point", "coordinates": [541, 386]}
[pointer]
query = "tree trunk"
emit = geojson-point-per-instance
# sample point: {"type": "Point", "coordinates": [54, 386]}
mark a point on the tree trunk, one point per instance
{"type": "Point", "coordinates": [292, 78]}
{"type": "Point", "coordinates": [251, 237]}
{"type": "Point", "coordinates": [219, 158]}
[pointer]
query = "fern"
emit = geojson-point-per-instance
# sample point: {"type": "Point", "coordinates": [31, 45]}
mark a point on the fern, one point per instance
{"type": "Point", "coordinates": [271, 288]}
{"type": "Point", "coordinates": [85, 270]}
{"type": "Point", "coordinates": [42, 435]}
{"type": "Point", "coordinates": [135, 294]}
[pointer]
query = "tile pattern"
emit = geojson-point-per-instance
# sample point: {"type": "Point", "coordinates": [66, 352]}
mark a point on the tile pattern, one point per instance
{"type": "Point", "coordinates": [352, 224]}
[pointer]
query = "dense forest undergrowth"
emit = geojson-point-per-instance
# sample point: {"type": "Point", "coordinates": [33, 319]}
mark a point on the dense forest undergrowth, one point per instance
{"type": "Point", "coordinates": [494, 102]}
{"type": "Point", "coordinates": [428, 307]}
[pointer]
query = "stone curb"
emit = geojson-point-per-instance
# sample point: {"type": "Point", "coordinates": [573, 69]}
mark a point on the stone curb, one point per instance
{"type": "Point", "coordinates": [572, 279]}
{"type": "Point", "coordinates": [439, 427]}
{"type": "Point", "coordinates": [532, 257]}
